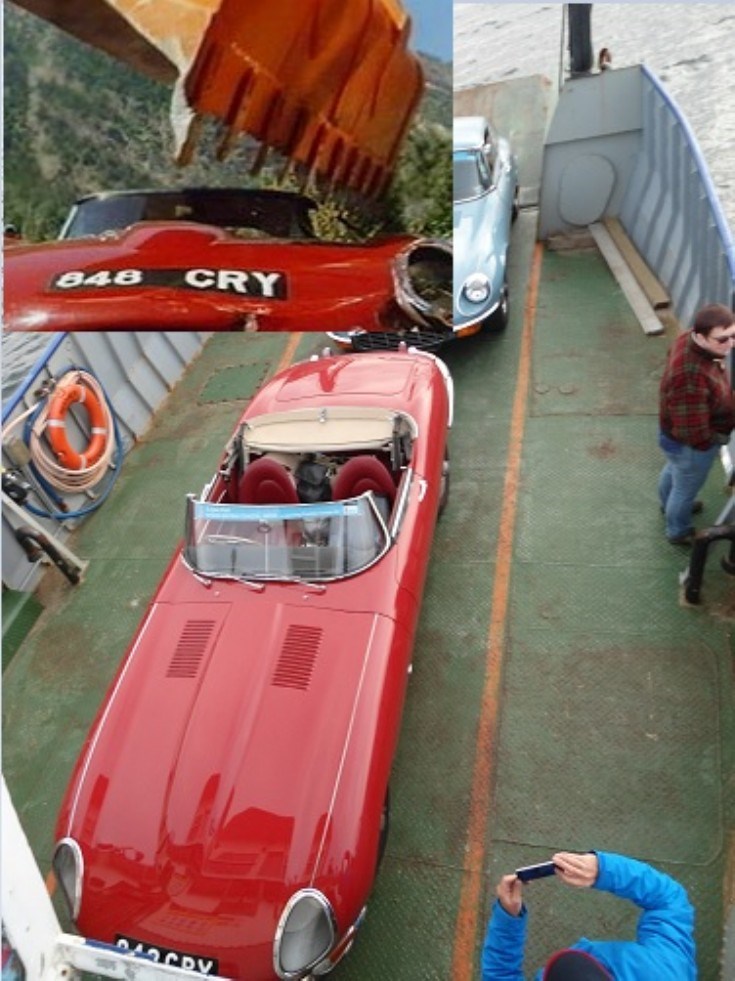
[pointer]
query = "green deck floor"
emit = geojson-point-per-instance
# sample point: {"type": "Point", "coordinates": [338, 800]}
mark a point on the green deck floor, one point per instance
{"type": "Point", "coordinates": [616, 721]}
{"type": "Point", "coordinates": [617, 727]}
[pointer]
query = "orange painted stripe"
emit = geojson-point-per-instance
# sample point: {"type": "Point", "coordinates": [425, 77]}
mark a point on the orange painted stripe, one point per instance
{"type": "Point", "coordinates": [51, 883]}
{"type": "Point", "coordinates": [289, 351]}
{"type": "Point", "coordinates": [465, 933]}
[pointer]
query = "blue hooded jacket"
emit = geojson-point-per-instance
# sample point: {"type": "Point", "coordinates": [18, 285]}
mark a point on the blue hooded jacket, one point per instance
{"type": "Point", "coordinates": [664, 944]}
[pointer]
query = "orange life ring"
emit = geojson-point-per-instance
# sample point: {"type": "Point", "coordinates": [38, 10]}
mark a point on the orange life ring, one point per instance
{"type": "Point", "coordinates": [61, 401]}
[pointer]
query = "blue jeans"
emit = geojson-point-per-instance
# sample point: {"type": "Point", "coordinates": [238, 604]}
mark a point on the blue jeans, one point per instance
{"type": "Point", "coordinates": [683, 474]}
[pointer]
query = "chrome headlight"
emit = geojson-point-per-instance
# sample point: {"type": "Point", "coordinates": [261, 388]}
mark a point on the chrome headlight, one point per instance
{"type": "Point", "coordinates": [305, 934]}
{"type": "Point", "coordinates": [476, 288]}
{"type": "Point", "coordinates": [68, 865]}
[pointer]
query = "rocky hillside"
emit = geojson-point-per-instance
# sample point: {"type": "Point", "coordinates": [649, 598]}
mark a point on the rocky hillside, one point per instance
{"type": "Point", "coordinates": [77, 121]}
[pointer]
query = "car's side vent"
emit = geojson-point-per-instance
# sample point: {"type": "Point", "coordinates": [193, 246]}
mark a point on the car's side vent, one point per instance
{"type": "Point", "coordinates": [190, 649]}
{"type": "Point", "coordinates": [297, 657]}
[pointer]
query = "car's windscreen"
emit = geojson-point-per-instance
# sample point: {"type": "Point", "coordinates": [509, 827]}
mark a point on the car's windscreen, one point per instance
{"type": "Point", "coordinates": [471, 175]}
{"type": "Point", "coordinates": [314, 542]}
{"type": "Point", "coordinates": [96, 216]}
{"type": "Point", "coordinates": [250, 214]}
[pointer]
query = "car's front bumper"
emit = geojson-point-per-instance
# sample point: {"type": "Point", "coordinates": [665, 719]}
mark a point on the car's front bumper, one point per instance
{"type": "Point", "coordinates": [466, 321]}
{"type": "Point", "coordinates": [425, 339]}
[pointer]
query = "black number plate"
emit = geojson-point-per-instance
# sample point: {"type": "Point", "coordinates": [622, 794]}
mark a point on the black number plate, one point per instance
{"type": "Point", "coordinates": [165, 955]}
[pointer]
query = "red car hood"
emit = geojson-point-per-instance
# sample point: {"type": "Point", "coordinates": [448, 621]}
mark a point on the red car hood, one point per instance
{"type": "Point", "coordinates": [189, 780]}
{"type": "Point", "coordinates": [185, 276]}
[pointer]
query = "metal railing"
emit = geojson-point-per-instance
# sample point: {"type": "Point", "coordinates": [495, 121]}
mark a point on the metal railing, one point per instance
{"type": "Point", "coordinates": [671, 210]}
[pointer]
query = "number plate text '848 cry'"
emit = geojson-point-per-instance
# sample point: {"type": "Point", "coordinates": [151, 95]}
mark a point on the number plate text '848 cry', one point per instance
{"type": "Point", "coordinates": [268, 285]}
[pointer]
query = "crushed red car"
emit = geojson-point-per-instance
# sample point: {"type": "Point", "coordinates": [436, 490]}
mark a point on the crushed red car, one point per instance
{"type": "Point", "coordinates": [215, 259]}
{"type": "Point", "coordinates": [230, 805]}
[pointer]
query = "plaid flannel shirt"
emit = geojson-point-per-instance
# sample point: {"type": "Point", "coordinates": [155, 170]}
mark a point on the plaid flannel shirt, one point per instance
{"type": "Point", "coordinates": [696, 405]}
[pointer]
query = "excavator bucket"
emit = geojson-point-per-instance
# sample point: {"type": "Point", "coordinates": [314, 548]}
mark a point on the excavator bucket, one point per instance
{"type": "Point", "coordinates": [331, 86]}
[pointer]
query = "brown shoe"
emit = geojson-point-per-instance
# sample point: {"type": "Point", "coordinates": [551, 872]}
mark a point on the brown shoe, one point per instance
{"type": "Point", "coordinates": [686, 539]}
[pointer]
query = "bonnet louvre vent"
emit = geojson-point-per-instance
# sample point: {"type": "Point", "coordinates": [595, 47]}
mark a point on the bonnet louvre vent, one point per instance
{"type": "Point", "coordinates": [190, 649]}
{"type": "Point", "coordinates": [298, 654]}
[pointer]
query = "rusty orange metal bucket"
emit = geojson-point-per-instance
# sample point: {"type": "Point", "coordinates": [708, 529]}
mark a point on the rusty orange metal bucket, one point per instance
{"type": "Point", "coordinates": [331, 86]}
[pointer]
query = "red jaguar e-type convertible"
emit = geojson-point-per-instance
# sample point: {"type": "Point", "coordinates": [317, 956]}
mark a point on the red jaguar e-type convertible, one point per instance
{"type": "Point", "coordinates": [229, 807]}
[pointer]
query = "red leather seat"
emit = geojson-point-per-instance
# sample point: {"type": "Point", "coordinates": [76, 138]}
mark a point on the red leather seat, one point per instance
{"type": "Point", "coordinates": [267, 482]}
{"type": "Point", "coordinates": [360, 474]}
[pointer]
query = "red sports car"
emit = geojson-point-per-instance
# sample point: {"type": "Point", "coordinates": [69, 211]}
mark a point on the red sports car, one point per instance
{"type": "Point", "coordinates": [229, 807]}
{"type": "Point", "coordinates": [224, 259]}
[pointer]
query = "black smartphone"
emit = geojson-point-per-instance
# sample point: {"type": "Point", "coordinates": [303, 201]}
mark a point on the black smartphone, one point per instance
{"type": "Point", "coordinates": [540, 871]}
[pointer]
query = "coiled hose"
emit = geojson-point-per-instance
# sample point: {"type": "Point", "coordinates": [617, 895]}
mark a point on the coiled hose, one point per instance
{"type": "Point", "coordinates": [62, 474]}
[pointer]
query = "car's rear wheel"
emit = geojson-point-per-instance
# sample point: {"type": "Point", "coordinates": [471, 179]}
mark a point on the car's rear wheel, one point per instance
{"type": "Point", "coordinates": [515, 210]}
{"type": "Point", "coordinates": [384, 826]}
{"type": "Point", "coordinates": [444, 486]}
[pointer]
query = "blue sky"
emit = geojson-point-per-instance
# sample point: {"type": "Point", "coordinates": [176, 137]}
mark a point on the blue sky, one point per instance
{"type": "Point", "coordinates": [432, 27]}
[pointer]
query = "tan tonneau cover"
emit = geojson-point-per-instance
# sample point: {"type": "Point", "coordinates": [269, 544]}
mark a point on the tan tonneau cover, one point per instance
{"type": "Point", "coordinates": [324, 430]}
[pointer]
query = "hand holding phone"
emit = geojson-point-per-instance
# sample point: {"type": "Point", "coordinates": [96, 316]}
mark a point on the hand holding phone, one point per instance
{"type": "Point", "coordinates": [577, 869]}
{"type": "Point", "coordinates": [540, 871]}
{"type": "Point", "coordinates": [510, 894]}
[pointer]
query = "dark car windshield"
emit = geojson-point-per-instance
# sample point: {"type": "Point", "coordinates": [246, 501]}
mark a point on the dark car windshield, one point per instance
{"type": "Point", "coordinates": [471, 175]}
{"type": "Point", "coordinates": [270, 214]}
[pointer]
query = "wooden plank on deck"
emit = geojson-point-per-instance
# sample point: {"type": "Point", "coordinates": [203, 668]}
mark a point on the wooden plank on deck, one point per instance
{"type": "Point", "coordinates": [635, 296]}
{"type": "Point", "coordinates": [649, 282]}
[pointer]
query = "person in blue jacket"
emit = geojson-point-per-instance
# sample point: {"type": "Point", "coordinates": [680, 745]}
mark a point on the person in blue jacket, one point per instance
{"type": "Point", "coordinates": [663, 948]}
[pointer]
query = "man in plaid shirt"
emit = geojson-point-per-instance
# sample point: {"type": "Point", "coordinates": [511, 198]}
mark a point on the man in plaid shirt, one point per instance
{"type": "Point", "coordinates": [696, 415]}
